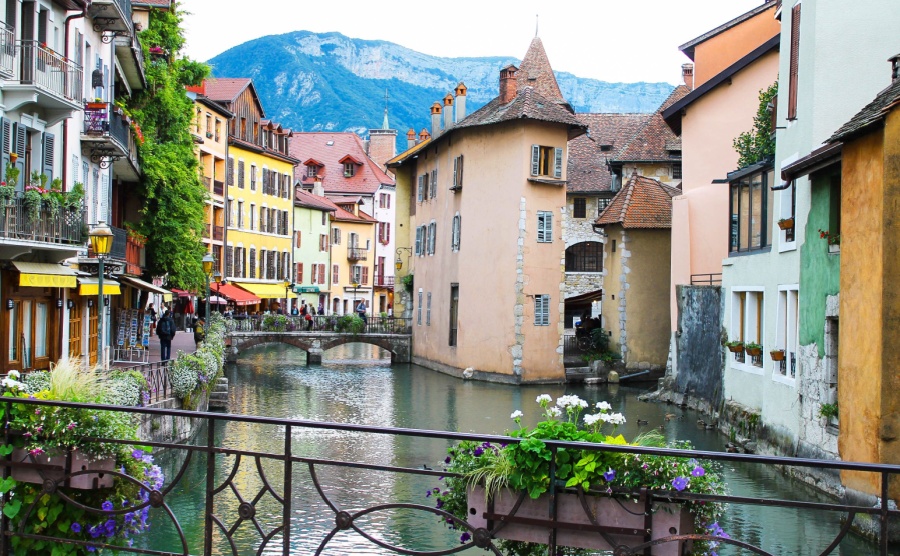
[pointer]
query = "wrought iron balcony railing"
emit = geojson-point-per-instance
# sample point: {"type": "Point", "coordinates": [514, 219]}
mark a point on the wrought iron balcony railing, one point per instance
{"type": "Point", "coordinates": [102, 120]}
{"type": "Point", "coordinates": [384, 281]}
{"type": "Point", "coordinates": [357, 254]}
{"type": "Point", "coordinates": [111, 15]}
{"type": "Point", "coordinates": [46, 225]}
{"type": "Point", "coordinates": [49, 72]}
{"type": "Point", "coordinates": [7, 50]}
{"type": "Point", "coordinates": [120, 244]}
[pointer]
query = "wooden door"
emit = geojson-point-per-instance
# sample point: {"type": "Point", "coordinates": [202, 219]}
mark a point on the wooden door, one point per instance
{"type": "Point", "coordinates": [92, 335]}
{"type": "Point", "coordinates": [75, 331]}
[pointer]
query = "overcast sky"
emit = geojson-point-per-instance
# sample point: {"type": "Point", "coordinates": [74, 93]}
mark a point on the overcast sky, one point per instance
{"type": "Point", "coordinates": [611, 40]}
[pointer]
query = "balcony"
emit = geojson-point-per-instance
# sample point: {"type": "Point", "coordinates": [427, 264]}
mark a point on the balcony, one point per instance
{"type": "Point", "coordinates": [45, 78]}
{"type": "Point", "coordinates": [357, 254]}
{"type": "Point", "coordinates": [61, 226]}
{"type": "Point", "coordinates": [7, 51]}
{"type": "Point", "coordinates": [120, 244]}
{"type": "Point", "coordinates": [111, 15]}
{"type": "Point", "coordinates": [384, 281]}
{"type": "Point", "coordinates": [218, 187]}
{"type": "Point", "coordinates": [218, 233]}
{"type": "Point", "coordinates": [134, 256]}
{"type": "Point", "coordinates": [131, 59]}
{"type": "Point", "coordinates": [107, 137]}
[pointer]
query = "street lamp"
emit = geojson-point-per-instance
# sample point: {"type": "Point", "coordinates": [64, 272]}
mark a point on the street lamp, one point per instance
{"type": "Point", "coordinates": [217, 277]}
{"type": "Point", "coordinates": [287, 286]}
{"type": "Point", "coordinates": [101, 242]}
{"type": "Point", "coordinates": [208, 262]}
{"type": "Point", "coordinates": [398, 264]}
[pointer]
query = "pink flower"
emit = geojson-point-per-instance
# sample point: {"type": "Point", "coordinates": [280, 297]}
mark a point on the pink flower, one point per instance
{"type": "Point", "coordinates": [36, 452]}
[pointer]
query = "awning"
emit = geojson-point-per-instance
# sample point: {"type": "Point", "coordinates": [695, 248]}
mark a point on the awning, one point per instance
{"type": "Point", "coordinates": [237, 295]}
{"type": "Point", "coordinates": [263, 291]}
{"type": "Point", "coordinates": [216, 300]}
{"type": "Point", "coordinates": [45, 275]}
{"type": "Point", "coordinates": [182, 293]}
{"type": "Point", "coordinates": [307, 289]}
{"type": "Point", "coordinates": [91, 286]}
{"type": "Point", "coordinates": [146, 286]}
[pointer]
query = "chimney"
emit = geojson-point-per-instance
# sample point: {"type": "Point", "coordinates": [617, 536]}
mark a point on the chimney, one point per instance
{"type": "Point", "coordinates": [424, 135]}
{"type": "Point", "coordinates": [687, 75]}
{"type": "Point", "coordinates": [508, 84]}
{"type": "Point", "coordinates": [435, 119]}
{"type": "Point", "coordinates": [448, 111]}
{"type": "Point", "coordinates": [895, 67]}
{"type": "Point", "coordinates": [410, 138]}
{"type": "Point", "coordinates": [460, 92]}
{"type": "Point", "coordinates": [318, 189]}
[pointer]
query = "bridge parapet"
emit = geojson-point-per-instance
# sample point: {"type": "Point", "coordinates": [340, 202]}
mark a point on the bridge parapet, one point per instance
{"type": "Point", "coordinates": [316, 342]}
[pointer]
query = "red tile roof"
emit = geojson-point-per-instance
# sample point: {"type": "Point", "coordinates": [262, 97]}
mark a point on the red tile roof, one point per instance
{"type": "Point", "coordinates": [655, 142]}
{"type": "Point", "coordinates": [641, 203]}
{"type": "Point", "coordinates": [305, 199]}
{"type": "Point", "coordinates": [528, 104]}
{"type": "Point", "coordinates": [228, 89]}
{"type": "Point", "coordinates": [315, 145]}
{"type": "Point", "coordinates": [535, 71]}
{"type": "Point", "coordinates": [587, 171]}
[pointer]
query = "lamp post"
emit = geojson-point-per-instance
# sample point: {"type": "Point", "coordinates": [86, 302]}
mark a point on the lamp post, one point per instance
{"type": "Point", "coordinates": [287, 286]}
{"type": "Point", "coordinates": [217, 277]}
{"type": "Point", "coordinates": [208, 262]}
{"type": "Point", "coordinates": [101, 242]}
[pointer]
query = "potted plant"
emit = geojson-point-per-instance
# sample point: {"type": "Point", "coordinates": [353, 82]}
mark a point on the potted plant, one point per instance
{"type": "Point", "coordinates": [735, 346]}
{"type": "Point", "coordinates": [508, 484]}
{"type": "Point", "coordinates": [74, 197]}
{"type": "Point", "coordinates": [7, 192]}
{"type": "Point", "coordinates": [833, 240]}
{"type": "Point", "coordinates": [33, 200]}
{"type": "Point", "coordinates": [777, 354]}
{"type": "Point", "coordinates": [753, 349]}
{"type": "Point", "coordinates": [829, 411]}
{"type": "Point", "coordinates": [786, 223]}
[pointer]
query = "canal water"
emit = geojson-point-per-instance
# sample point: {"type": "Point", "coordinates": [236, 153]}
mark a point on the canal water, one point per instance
{"type": "Point", "coordinates": [356, 384]}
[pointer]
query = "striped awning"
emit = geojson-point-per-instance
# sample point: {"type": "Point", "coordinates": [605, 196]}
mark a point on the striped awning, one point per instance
{"type": "Point", "coordinates": [263, 291]}
{"type": "Point", "coordinates": [45, 275]}
{"type": "Point", "coordinates": [91, 286]}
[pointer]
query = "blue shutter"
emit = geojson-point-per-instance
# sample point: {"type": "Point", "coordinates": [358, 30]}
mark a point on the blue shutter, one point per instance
{"type": "Point", "coordinates": [47, 162]}
{"type": "Point", "coordinates": [455, 170]}
{"type": "Point", "coordinates": [557, 164]}
{"type": "Point", "coordinates": [5, 145]}
{"type": "Point", "coordinates": [421, 190]}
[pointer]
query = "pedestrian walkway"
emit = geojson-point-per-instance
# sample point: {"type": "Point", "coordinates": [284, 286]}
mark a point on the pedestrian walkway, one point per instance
{"type": "Point", "coordinates": [183, 341]}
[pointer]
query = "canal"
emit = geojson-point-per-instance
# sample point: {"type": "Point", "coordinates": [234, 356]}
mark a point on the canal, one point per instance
{"type": "Point", "coordinates": [356, 384]}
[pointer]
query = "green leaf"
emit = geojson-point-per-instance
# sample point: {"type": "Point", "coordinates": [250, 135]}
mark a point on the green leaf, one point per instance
{"type": "Point", "coordinates": [7, 484]}
{"type": "Point", "coordinates": [11, 509]}
{"type": "Point", "coordinates": [6, 449]}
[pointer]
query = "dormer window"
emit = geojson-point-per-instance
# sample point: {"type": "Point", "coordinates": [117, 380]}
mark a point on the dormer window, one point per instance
{"type": "Point", "coordinates": [349, 169]}
{"type": "Point", "coordinates": [311, 170]}
{"type": "Point", "coordinates": [605, 148]}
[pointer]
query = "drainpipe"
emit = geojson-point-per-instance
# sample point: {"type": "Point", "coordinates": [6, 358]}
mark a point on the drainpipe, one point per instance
{"type": "Point", "coordinates": [65, 132]}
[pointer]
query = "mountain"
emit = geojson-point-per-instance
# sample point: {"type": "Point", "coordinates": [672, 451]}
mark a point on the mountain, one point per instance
{"type": "Point", "coordinates": [327, 81]}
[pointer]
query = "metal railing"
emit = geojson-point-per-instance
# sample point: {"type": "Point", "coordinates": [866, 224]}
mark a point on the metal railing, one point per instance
{"type": "Point", "coordinates": [120, 243]}
{"type": "Point", "coordinates": [49, 225]}
{"type": "Point", "coordinates": [156, 374]}
{"type": "Point", "coordinates": [7, 50]}
{"type": "Point", "coordinates": [49, 71]}
{"type": "Point", "coordinates": [357, 254]}
{"type": "Point", "coordinates": [319, 323]}
{"type": "Point", "coordinates": [289, 524]}
{"type": "Point", "coordinates": [384, 281]}
{"type": "Point", "coordinates": [101, 119]}
{"type": "Point", "coordinates": [710, 279]}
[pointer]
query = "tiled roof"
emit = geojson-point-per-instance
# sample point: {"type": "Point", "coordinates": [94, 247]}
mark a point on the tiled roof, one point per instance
{"type": "Point", "coordinates": [587, 171]}
{"type": "Point", "coordinates": [305, 199]}
{"type": "Point", "coordinates": [641, 203]}
{"type": "Point", "coordinates": [655, 141]}
{"type": "Point", "coordinates": [154, 3]}
{"type": "Point", "coordinates": [528, 104]}
{"type": "Point", "coordinates": [873, 113]}
{"type": "Point", "coordinates": [535, 71]}
{"type": "Point", "coordinates": [315, 145]}
{"type": "Point", "coordinates": [226, 89]}
{"type": "Point", "coordinates": [688, 47]}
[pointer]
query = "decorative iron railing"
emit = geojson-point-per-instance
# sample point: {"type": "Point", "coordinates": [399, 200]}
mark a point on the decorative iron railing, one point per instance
{"type": "Point", "coordinates": [120, 244]}
{"type": "Point", "coordinates": [319, 323]}
{"type": "Point", "coordinates": [218, 233]}
{"type": "Point", "coordinates": [47, 225]}
{"type": "Point", "coordinates": [218, 187]}
{"type": "Point", "coordinates": [7, 50]}
{"type": "Point", "coordinates": [265, 496]}
{"type": "Point", "coordinates": [49, 71]}
{"type": "Point", "coordinates": [384, 281]}
{"type": "Point", "coordinates": [157, 376]}
{"type": "Point", "coordinates": [357, 254]}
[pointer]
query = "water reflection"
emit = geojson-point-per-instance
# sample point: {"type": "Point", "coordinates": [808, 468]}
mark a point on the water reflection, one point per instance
{"type": "Point", "coordinates": [357, 384]}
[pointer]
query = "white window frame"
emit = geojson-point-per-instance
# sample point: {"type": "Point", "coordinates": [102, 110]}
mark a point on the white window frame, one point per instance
{"type": "Point", "coordinates": [419, 309]}
{"type": "Point", "coordinates": [749, 326]}
{"type": "Point", "coordinates": [787, 331]}
{"type": "Point", "coordinates": [432, 237]}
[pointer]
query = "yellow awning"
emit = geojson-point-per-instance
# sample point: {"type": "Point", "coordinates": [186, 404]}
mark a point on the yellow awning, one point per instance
{"type": "Point", "coordinates": [264, 291]}
{"type": "Point", "coordinates": [91, 286]}
{"type": "Point", "coordinates": [45, 275]}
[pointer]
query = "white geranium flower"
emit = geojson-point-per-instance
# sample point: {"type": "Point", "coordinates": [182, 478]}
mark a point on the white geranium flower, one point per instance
{"type": "Point", "coordinates": [603, 406]}
{"type": "Point", "coordinates": [14, 374]}
{"type": "Point", "coordinates": [616, 419]}
{"type": "Point", "coordinates": [571, 401]}
{"type": "Point", "coordinates": [544, 398]}
{"type": "Point", "coordinates": [516, 414]}
{"type": "Point", "coordinates": [592, 419]}
{"type": "Point", "coordinates": [554, 411]}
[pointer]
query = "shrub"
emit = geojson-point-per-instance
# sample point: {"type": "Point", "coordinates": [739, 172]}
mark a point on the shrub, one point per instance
{"type": "Point", "coordinates": [274, 323]}
{"type": "Point", "coordinates": [184, 373]}
{"type": "Point", "coordinates": [36, 381]}
{"type": "Point", "coordinates": [125, 388]}
{"type": "Point", "coordinates": [351, 324]}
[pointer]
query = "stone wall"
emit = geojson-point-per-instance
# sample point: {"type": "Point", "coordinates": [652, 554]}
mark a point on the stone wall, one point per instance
{"type": "Point", "coordinates": [171, 429]}
{"type": "Point", "coordinates": [817, 386]}
{"type": "Point", "coordinates": [579, 230]}
{"type": "Point", "coordinates": [698, 342]}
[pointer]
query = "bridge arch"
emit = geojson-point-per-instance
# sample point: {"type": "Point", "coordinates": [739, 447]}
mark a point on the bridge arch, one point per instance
{"type": "Point", "coordinates": [316, 343]}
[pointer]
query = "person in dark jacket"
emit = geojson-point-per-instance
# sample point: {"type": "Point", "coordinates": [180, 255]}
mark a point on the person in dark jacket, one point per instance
{"type": "Point", "coordinates": [165, 329]}
{"type": "Point", "coordinates": [200, 331]}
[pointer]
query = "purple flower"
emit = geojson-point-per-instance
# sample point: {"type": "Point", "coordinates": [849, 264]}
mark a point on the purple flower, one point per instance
{"type": "Point", "coordinates": [698, 471]}
{"type": "Point", "coordinates": [478, 451]}
{"type": "Point", "coordinates": [110, 527]}
{"type": "Point", "coordinates": [447, 459]}
{"type": "Point", "coordinates": [129, 518]}
{"type": "Point", "coordinates": [107, 506]}
{"type": "Point", "coordinates": [440, 504]}
{"type": "Point", "coordinates": [75, 527]}
{"type": "Point", "coordinates": [428, 493]}
{"type": "Point", "coordinates": [679, 483]}
{"type": "Point", "coordinates": [91, 548]}
{"type": "Point", "coordinates": [137, 454]}
{"type": "Point", "coordinates": [464, 538]}
{"type": "Point", "coordinates": [609, 476]}
{"type": "Point", "coordinates": [94, 531]}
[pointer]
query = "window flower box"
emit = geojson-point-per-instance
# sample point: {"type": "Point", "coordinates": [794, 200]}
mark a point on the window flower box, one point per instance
{"type": "Point", "coordinates": [753, 350]}
{"type": "Point", "coordinates": [578, 526]}
{"type": "Point", "coordinates": [735, 347]}
{"type": "Point", "coordinates": [786, 223]}
{"type": "Point", "coordinates": [777, 354]}
{"type": "Point", "coordinates": [54, 469]}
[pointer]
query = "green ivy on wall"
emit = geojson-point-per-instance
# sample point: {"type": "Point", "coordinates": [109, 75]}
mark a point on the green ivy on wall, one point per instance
{"type": "Point", "coordinates": [759, 143]}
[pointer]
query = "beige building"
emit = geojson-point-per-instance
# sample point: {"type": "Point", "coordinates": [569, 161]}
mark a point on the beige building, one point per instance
{"type": "Point", "coordinates": [635, 310]}
{"type": "Point", "coordinates": [485, 226]}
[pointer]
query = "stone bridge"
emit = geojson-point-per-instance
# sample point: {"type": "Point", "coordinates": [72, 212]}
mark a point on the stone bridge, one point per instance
{"type": "Point", "coordinates": [314, 343]}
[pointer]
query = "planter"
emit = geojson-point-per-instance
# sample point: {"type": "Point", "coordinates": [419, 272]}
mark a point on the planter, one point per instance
{"type": "Point", "coordinates": [29, 473]}
{"type": "Point", "coordinates": [736, 349]}
{"type": "Point", "coordinates": [754, 352]}
{"type": "Point", "coordinates": [777, 355]}
{"type": "Point", "coordinates": [834, 248]}
{"type": "Point", "coordinates": [623, 521]}
{"type": "Point", "coordinates": [786, 224]}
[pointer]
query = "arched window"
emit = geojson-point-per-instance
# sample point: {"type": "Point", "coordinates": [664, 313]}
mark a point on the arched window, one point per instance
{"type": "Point", "coordinates": [585, 257]}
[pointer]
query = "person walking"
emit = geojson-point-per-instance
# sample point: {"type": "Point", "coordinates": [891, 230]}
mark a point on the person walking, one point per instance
{"type": "Point", "coordinates": [200, 331]}
{"type": "Point", "coordinates": [166, 331]}
{"type": "Point", "coordinates": [361, 311]}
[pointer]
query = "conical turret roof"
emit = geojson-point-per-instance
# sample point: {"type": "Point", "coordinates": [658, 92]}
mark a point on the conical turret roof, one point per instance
{"type": "Point", "coordinates": [535, 71]}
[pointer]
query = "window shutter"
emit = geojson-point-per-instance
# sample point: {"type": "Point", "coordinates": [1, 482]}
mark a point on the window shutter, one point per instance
{"type": "Point", "coordinates": [104, 198]}
{"type": "Point", "coordinates": [421, 186]}
{"type": "Point", "coordinates": [49, 143]}
{"type": "Point", "coordinates": [428, 311]}
{"type": "Point", "coordinates": [460, 180]}
{"type": "Point", "coordinates": [252, 263]}
{"type": "Point", "coordinates": [418, 240]}
{"type": "Point", "coordinates": [6, 144]}
{"type": "Point", "coordinates": [334, 274]}
{"type": "Point", "coordinates": [548, 226]}
{"type": "Point", "coordinates": [298, 238]}
{"type": "Point", "coordinates": [322, 273]}
{"type": "Point", "coordinates": [387, 233]}
{"type": "Point", "coordinates": [540, 227]}
{"type": "Point", "coordinates": [434, 183]}
{"type": "Point", "coordinates": [365, 276]}
{"type": "Point", "coordinates": [229, 170]}
{"type": "Point", "coordinates": [240, 176]}
{"type": "Point", "coordinates": [557, 163]}
{"type": "Point", "coordinates": [455, 170]}
{"type": "Point", "coordinates": [299, 277]}
{"type": "Point", "coordinates": [794, 62]}
{"type": "Point", "coordinates": [535, 160]}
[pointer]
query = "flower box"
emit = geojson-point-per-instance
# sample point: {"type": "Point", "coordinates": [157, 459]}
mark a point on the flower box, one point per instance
{"type": "Point", "coordinates": [736, 349]}
{"type": "Point", "coordinates": [623, 521]}
{"type": "Point", "coordinates": [754, 352]}
{"type": "Point", "coordinates": [834, 248]}
{"type": "Point", "coordinates": [786, 223]}
{"type": "Point", "coordinates": [30, 473]}
{"type": "Point", "coordinates": [777, 355]}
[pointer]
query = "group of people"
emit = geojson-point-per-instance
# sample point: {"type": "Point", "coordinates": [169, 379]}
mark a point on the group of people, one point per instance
{"type": "Point", "coordinates": [165, 330]}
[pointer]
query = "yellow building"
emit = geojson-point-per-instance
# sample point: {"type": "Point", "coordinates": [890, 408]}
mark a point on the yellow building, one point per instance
{"type": "Point", "coordinates": [259, 199]}
{"type": "Point", "coordinates": [352, 260]}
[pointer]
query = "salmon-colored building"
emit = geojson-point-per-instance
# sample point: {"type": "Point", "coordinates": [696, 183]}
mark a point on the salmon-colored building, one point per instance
{"type": "Point", "coordinates": [732, 63]}
{"type": "Point", "coordinates": [487, 196]}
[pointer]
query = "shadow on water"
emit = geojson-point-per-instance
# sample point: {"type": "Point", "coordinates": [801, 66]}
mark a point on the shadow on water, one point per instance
{"type": "Point", "coordinates": [356, 384]}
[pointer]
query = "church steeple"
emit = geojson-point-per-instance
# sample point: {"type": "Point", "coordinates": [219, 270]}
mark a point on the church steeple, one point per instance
{"type": "Point", "coordinates": [384, 124]}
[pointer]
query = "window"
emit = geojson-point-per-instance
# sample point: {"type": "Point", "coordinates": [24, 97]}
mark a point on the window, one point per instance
{"type": "Point", "coordinates": [311, 171]}
{"type": "Point", "coordinates": [544, 226]}
{"type": "Point", "coordinates": [432, 233]}
{"type": "Point", "coordinates": [602, 204]}
{"type": "Point", "coordinates": [455, 233]}
{"type": "Point", "coordinates": [229, 210]}
{"type": "Point", "coordinates": [585, 257]}
{"type": "Point", "coordinates": [335, 236]}
{"type": "Point", "coordinates": [428, 311]}
{"type": "Point", "coordinates": [252, 178]}
{"type": "Point", "coordinates": [747, 322]}
{"type": "Point", "coordinates": [457, 174]}
{"type": "Point", "coordinates": [542, 310]}
{"type": "Point", "coordinates": [299, 277]}
{"type": "Point", "coordinates": [419, 310]}
{"type": "Point", "coordinates": [335, 274]}
{"type": "Point", "coordinates": [420, 196]}
{"type": "Point", "coordinates": [323, 242]}
{"type": "Point", "coordinates": [433, 190]}
{"type": "Point", "coordinates": [787, 331]}
{"type": "Point", "coordinates": [218, 129]}
{"type": "Point", "coordinates": [794, 68]}
{"type": "Point", "coordinates": [580, 209]}
{"type": "Point", "coordinates": [546, 161]}
{"type": "Point", "coordinates": [751, 219]}
{"type": "Point", "coordinates": [384, 200]}
{"type": "Point", "coordinates": [229, 172]}
{"type": "Point", "coordinates": [252, 263]}
{"type": "Point", "coordinates": [240, 215]}
{"type": "Point", "coordinates": [454, 312]}
{"type": "Point", "coordinates": [252, 216]}
{"type": "Point", "coordinates": [349, 169]}
{"type": "Point", "coordinates": [323, 218]}
{"type": "Point", "coordinates": [384, 232]}
{"type": "Point", "coordinates": [676, 170]}
{"type": "Point", "coordinates": [240, 176]}
{"type": "Point", "coordinates": [420, 241]}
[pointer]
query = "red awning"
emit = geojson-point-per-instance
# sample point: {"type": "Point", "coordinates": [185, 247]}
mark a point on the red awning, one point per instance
{"type": "Point", "coordinates": [182, 293]}
{"type": "Point", "coordinates": [236, 295]}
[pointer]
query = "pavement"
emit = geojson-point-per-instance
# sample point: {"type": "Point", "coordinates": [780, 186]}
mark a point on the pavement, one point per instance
{"type": "Point", "coordinates": [183, 341]}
